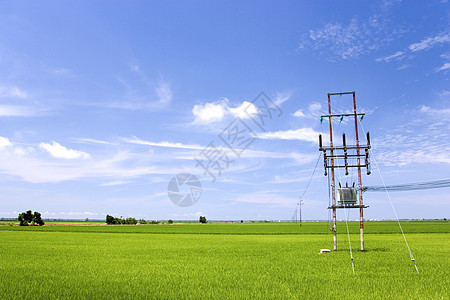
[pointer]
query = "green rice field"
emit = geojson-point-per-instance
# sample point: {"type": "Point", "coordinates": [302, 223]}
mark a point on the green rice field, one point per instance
{"type": "Point", "coordinates": [223, 261]}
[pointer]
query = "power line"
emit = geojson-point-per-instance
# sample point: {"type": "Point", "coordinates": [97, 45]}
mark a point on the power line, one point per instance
{"type": "Point", "coordinates": [312, 175]}
{"type": "Point", "coordinates": [436, 184]}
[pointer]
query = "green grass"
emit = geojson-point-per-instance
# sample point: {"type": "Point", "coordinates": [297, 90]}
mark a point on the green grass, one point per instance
{"type": "Point", "coordinates": [233, 261]}
{"type": "Point", "coordinates": [248, 228]}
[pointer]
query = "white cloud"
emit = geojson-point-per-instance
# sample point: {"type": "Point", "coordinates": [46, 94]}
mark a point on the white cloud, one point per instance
{"type": "Point", "coordinates": [300, 158]}
{"type": "Point", "coordinates": [398, 55]}
{"type": "Point", "coordinates": [282, 97]}
{"type": "Point", "coordinates": [429, 42]}
{"type": "Point", "coordinates": [299, 114]}
{"type": "Point", "coordinates": [59, 151]}
{"type": "Point", "coordinates": [315, 106]}
{"type": "Point", "coordinates": [12, 92]}
{"type": "Point", "coordinates": [302, 134]}
{"type": "Point", "coordinates": [343, 39]}
{"type": "Point", "coordinates": [444, 67]}
{"type": "Point", "coordinates": [134, 67]}
{"type": "Point", "coordinates": [444, 93]}
{"type": "Point", "coordinates": [62, 71]}
{"type": "Point", "coordinates": [216, 111]}
{"type": "Point", "coordinates": [425, 141]}
{"type": "Point", "coordinates": [313, 111]}
{"type": "Point", "coordinates": [142, 94]}
{"type": "Point", "coordinates": [209, 112]}
{"type": "Point", "coordinates": [114, 183]}
{"type": "Point", "coordinates": [91, 141]}
{"type": "Point", "coordinates": [164, 93]}
{"type": "Point", "coordinates": [403, 67]}
{"type": "Point", "coordinates": [4, 142]}
{"type": "Point", "coordinates": [348, 41]}
{"type": "Point", "coordinates": [16, 111]}
{"type": "Point", "coordinates": [446, 55]}
{"type": "Point", "coordinates": [434, 111]}
{"type": "Point", "coordinates": [425, 44]}
{"type": "Point", "coordinates": [243, 111]}
{"type": "Point", "coordinates": [163, 144]}
{"type": "Point", "coordinates": [120, 166]}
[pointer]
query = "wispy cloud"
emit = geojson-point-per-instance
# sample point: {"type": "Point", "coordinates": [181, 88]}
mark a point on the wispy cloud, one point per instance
{"type": "Point", "coordinates": [428, 143]}
{"type": "Point", "coordinates": [315, 106]}
{"type": "Point", "coordinates": [349, 40]}
{"type": "Point", "coordinates": [443, 112]}
{"type": "Point", "coordinates": [301, 134]}
{"type": "Point", "coordinates": [430, 42]}
{"type": "Point", "coordinates": [282, 97]}
{"type": "Point", "coordinates": [343, 39]}
{"type": "Point", "coordinates": [164, 144]}
{"type": "Point", "coordinates": [91, 141]}
{"type": "Point", "coordinates": [12, 92]}
{"type": "Point", "coordinates": [17, 111]}
{"type": "Point", "coordinates": [444, 93]}
{"type": "Point", "coordinates": [415, 48]}
{"type": "Point", "coordinates": [59, 151]}
{"type": "Point", "coordinates": [34, 167]}
{"type": "Point", "coordinates": [313, 111]}
{"type": "Point", "coordinates": [137, 98]}
{"type": "Point", "coordinates": [299, 158]}
{"type": "Point", "coordinates": [164, 94]}
{"type": "Point", "coordinates": [61, 72]}
{"type": "Point", "coordinates": [444, 67]}
{"type": "Point", "coordinates": [398, 55]}
{"type": "Point", "coordinates": [114, 183]}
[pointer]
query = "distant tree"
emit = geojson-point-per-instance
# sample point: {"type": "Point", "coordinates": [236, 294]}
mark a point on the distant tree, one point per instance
{"type": "Point", "coordinates": [118, 221]}
{"type": "Point", "coordinates": [86, 220]}
{"type": "Point", "coordinates": [27, 218]}
{"type": "Point", "coordinates": [22, 221]}
{"type": "Point", "coordinates": [37, 219]}
{"type": "Point", "coordinates": [142, 221]}
{"type": "Point", "coordinates": [170, 221]}
{"type": "Point", "coordinates": [203, 220]}
{"type": "Point", "coordinates": [242, 221]}
{"type": "Point", "coordinates": [132, 221]}
{"type": "Point", "coordinates": [109, 220]}
{"type": "Point", "coordinates": [154, 222]}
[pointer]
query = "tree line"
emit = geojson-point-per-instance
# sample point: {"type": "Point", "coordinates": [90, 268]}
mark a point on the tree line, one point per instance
{"type": "Point", "coordinates": [110, 220]}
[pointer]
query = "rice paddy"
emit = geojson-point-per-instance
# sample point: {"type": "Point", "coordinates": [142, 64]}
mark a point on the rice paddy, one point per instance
{"type": "Point", "coordinates": [223, 261]}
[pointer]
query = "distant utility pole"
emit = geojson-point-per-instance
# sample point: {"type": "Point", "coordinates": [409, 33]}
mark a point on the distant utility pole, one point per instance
{"type": "Point", "coordinates": [300, 203]}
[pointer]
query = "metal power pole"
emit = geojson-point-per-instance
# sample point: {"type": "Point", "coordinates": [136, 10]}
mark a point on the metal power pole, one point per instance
{"type": "Point", "coordinates": [361, 208]}
{"type": "Point", "coordinates": [339, 157]}
{"type": "Point", "coordinates": [300, 203]}
{"type": "Point", "coordinates": [333, 186]}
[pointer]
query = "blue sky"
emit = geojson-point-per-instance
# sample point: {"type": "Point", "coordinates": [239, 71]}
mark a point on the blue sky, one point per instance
{"type": "Point", "coordinates": [103, 102]}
